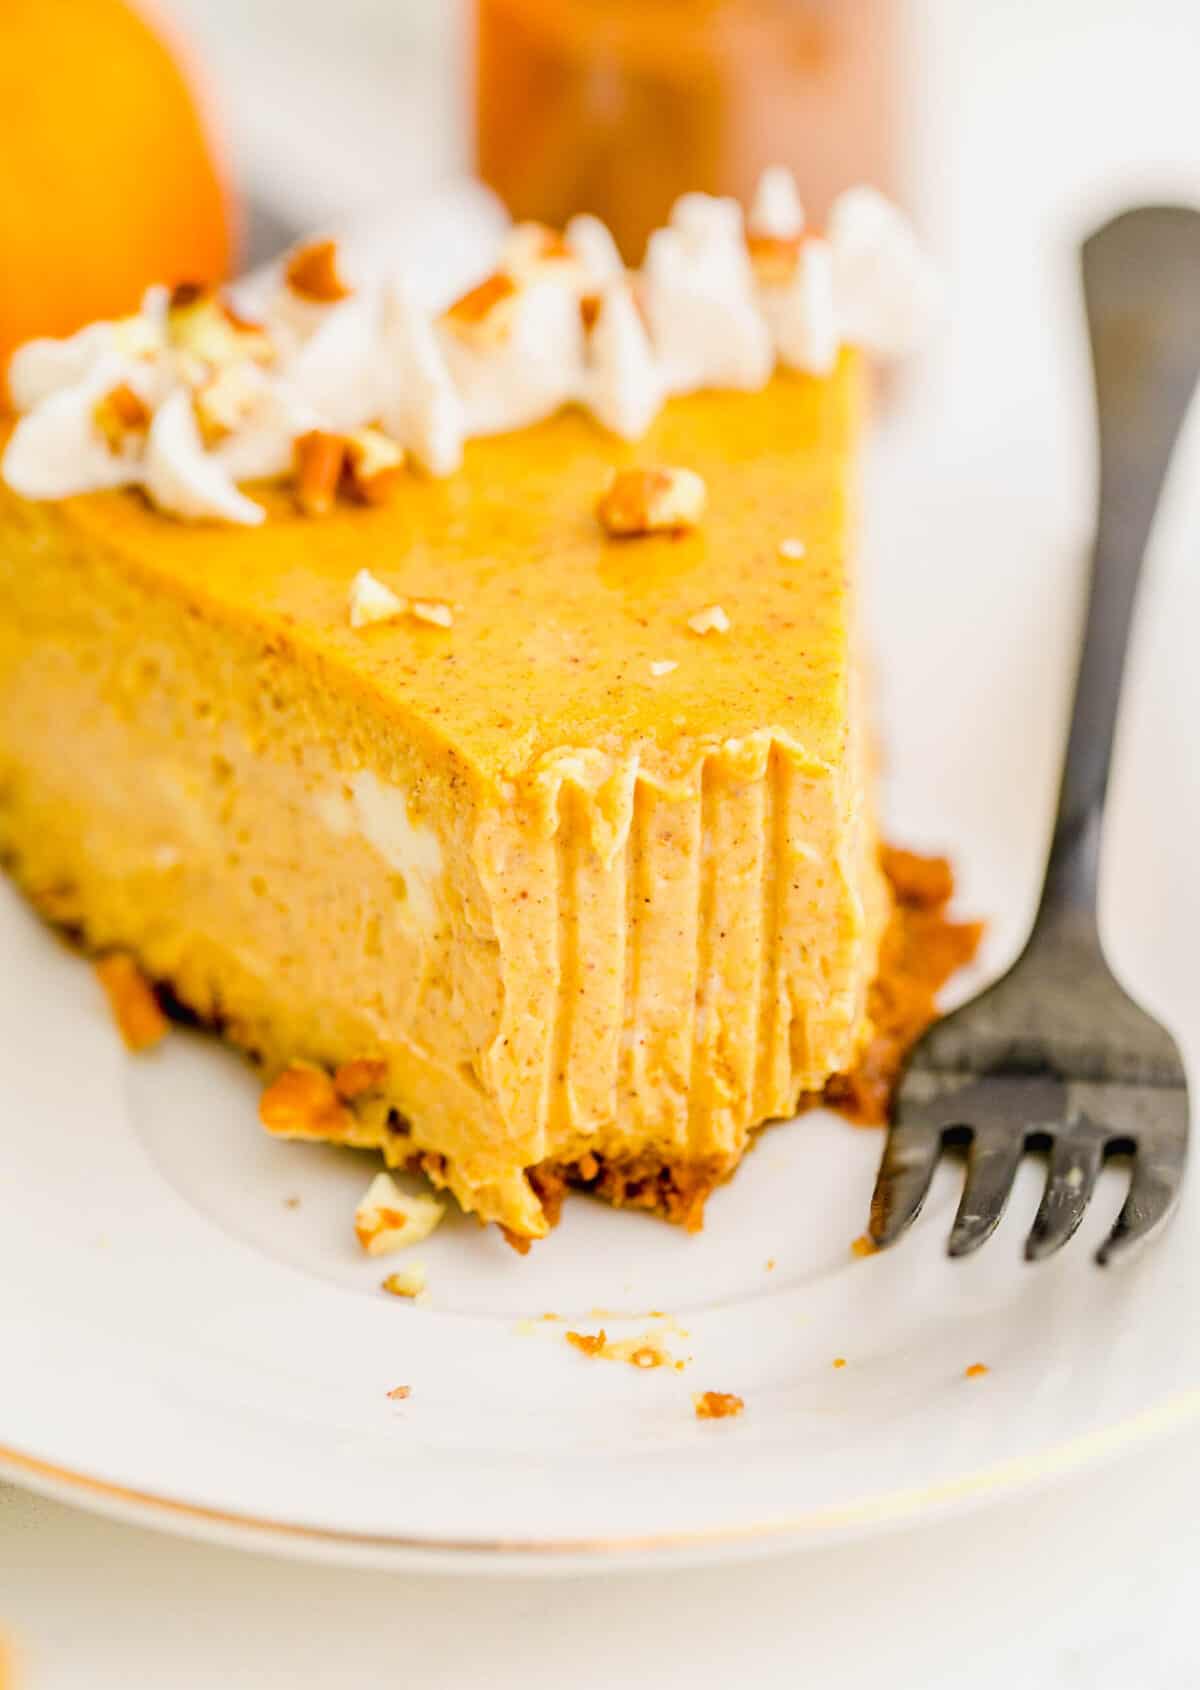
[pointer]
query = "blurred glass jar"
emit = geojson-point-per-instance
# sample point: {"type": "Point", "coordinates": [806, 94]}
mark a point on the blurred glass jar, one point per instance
{"type": "Point", "coordinates": [617, 106]}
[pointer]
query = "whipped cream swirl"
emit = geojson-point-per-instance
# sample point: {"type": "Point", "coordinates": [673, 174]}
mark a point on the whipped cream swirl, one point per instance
{"type": "Point", "coordinates": [187, 399]}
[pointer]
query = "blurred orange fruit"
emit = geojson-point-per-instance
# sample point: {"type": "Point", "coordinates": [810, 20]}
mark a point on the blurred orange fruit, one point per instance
{"type": "Point", "coordinates": [108, 179]}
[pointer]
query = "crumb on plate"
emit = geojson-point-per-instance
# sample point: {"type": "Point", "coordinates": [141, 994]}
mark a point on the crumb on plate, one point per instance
{"type": "Point", "coordinates": [717, 1405]}
{"type": "Point", "coordinates": [135, 1008]}
{"type": "Point", "coordinates": [405, 1282]}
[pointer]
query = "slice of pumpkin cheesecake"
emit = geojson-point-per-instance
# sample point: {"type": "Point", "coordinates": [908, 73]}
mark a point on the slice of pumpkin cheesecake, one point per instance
{"type": "Point", "coordinates": [498, 773]}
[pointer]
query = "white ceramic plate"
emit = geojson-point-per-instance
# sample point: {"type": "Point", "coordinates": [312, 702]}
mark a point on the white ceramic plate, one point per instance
{"type": "Point", "coordinates": [183, 1346]}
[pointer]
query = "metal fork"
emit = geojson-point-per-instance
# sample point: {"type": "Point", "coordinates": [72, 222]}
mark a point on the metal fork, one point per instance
{"type": "Point", "coordinates": [1056, 1055]}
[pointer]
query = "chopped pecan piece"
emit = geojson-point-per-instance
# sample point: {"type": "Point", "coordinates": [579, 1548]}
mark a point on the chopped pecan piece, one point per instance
{"type": "Point", "coordinates": [122, 416]}
{"type": "Point", "coordinates": [312, 272]}
{"type": "Point", "coordinates": [651, 501]}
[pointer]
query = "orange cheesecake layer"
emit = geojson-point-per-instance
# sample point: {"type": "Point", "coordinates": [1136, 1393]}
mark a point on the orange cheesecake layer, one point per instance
{"type": "Point", "coordinates": [574, 904]}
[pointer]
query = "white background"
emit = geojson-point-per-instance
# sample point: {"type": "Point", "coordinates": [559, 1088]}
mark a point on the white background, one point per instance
{"type": "Point", "coordinates": [1031, 120]}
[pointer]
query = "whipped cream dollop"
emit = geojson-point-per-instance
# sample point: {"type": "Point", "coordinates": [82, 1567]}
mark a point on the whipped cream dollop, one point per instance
{"type": "Point", "coordinates": [187, 398]}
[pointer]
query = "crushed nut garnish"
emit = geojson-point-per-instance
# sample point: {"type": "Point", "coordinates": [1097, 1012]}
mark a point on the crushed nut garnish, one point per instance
{"type": "Point", "coordinates": [372, 601]}
{"type": "Point", "coordinates": [431, 611]}
{"type": "Point", "coordinates": [363, 1074]}
{"type": "Point", "coordinates": [717, 1405]}
{"type": "Point", "coordinates": [207, 333]}
{"type": "Point", "coordinates": [223, 402]}
{"type": "Point", "coordinates": [663, 666]}
{"type": "Point", "coordinates": [312, 272]}
{"type": "Point", "coordinates": [792, 548]}
{"type": "Point", "coordinates": [533, 249]}
{"type": "Point", "coordinates": [711, 620]}
{"type": "Point", "coordinates": [405, 1282]}
{"type": "Point", "coordinates": [121, 415]}
{"type": "Point", "coordinates": [484, 314]}
{"type": "Point", "coordinates": [137, 337]}
{"type": "Point", "coordinates": [302, 1102]}
{"type": "Point", "coordinates": [864, 1246]}
{"type": "Point", "coordinates": [135, 1009]}
{"type": "Point", "coordinates": [386, 1220]}
{"type": "Point", "coordinates": [976, 1370]}
{"type": "Point", "coordinates": [373, 466]}
{"type": "Point", "coordinates": [366, 466]}
{"type": "Point", "coordinates": [651, 501]}
{"type": "Point", "coordinates": [318, 459]}
{"type": "Point", "coordinates": [399, 1392]}
{"type": "Point", "coordinates": [774, 258]}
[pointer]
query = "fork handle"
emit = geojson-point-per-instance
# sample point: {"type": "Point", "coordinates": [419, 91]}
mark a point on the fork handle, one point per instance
{"type": "Point", "coordinates": [1141, 284]}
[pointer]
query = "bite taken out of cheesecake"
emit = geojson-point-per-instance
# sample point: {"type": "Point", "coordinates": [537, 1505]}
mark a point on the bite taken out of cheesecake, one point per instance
{"type": "Point", "coordinates": [533, 846]}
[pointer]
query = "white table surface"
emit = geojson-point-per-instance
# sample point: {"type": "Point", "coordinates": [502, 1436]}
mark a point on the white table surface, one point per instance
{"type": "Point", "coordinates": [1035, 120]}
{"type": "Point", "coordinates": [1086, 1587]}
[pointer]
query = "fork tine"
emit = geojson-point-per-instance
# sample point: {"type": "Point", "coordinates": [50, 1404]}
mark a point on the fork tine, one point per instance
{"type": "Point", "coordinates": [910, 1156]}
{"type": "Point", "coordinates": [1153, 1191]}
{"type": "Point", "coordinates": [1074, 1168]}
{"type": "Point", "coordinates": [991, 1169]}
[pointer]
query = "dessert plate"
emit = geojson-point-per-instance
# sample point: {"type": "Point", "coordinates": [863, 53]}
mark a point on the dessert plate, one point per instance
{"type": "Point", "coordinates": [191, 1337]}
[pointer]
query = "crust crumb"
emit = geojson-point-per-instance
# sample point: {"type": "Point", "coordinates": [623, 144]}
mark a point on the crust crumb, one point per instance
{"type": "Point", "coordinates": [976, 1370]}
{"type": "Point", "coordinates": [399, 1392]}
{"type": "Point", "coordinates": [302, 1102]}
{"type": "Point", "coordinates": [359, 1076]}
{"type": "Point", "coordinates": [717, 1405]}
{"type": "Point", "coordinates": [644, 1352]}
{"type": "Point", "coordinates": [135, 1009]}
{"type": "Point", "coordinates": [921, 949]}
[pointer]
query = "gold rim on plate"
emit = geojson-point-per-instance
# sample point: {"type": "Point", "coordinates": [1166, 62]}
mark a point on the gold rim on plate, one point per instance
{"type": "Point", "coordinates": [892, 1508]}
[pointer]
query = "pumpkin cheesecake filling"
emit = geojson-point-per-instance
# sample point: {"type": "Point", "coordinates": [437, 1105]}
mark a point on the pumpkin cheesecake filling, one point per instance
{"type": "Point", "coordinates": [576, 909]}
{"type": "Point", "coordinates": [560, 842]}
